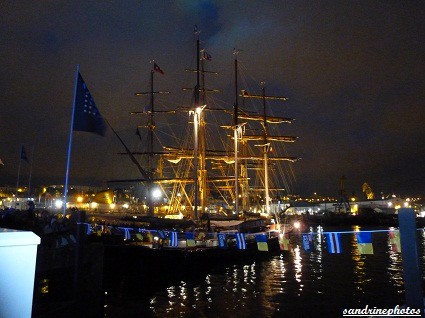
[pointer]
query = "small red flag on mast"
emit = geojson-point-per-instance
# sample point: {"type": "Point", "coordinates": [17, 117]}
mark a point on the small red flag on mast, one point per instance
{"type": "Point", "coordinates": [156, 68]}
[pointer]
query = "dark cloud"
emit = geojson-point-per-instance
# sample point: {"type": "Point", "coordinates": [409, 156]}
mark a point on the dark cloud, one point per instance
{"type": "Point", "coordinates": [353, 72]}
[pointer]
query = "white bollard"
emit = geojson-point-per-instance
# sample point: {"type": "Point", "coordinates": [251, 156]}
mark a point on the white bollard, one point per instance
{"type": "Point", "coordinates": [18, 254]}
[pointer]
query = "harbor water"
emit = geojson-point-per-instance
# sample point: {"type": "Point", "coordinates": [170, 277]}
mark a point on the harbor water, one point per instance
{"type": "Point", "coordinates": [296, 283]}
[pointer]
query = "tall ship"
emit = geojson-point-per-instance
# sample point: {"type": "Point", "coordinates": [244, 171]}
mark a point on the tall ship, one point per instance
{"type": "Point", "coordinates": [215, 159]}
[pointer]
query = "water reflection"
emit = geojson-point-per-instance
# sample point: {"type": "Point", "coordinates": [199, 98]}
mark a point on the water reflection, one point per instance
{"type": "Point", "coordinates": [277, 272]}
{"type": "Point", "coordinates": [316, 257]}
{"type": "Point", "coordinates": [298, 266]}
{"type": "Point", "coordinates": [295, 281]}
{"type": "Point", "coordinates": [208, 288]}
{"type": "Point", "coordinates": [395, 273]}
{"type": "Point", "coordinates": [359, 263]}
{"type": "Point", "coordinates": [171, 295]}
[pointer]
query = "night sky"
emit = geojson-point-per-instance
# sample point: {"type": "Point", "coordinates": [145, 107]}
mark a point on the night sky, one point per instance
{"type": "Point", "coordinates": [353, 72]}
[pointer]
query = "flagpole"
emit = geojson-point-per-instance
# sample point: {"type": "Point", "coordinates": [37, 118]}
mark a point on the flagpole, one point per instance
{"type": "Point", "coordinates": [68, 158]}
{"type": "Point", "coordinates": [19, 171]}
{"type": "Point", "coordinates": [29, 178]}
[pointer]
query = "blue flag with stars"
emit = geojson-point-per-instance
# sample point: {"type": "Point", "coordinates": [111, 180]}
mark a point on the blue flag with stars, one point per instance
{"type": "Point", "coordinates": [24, 154]}
{"type": "Point", "coordinates": [86, 115]}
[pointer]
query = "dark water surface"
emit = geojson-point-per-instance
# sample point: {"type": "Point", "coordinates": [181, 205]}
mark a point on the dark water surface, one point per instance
{"type": "Point", "coordinates": [293, 284]}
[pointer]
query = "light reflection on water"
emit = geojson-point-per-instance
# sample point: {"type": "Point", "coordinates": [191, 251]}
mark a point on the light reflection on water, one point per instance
{"type": "Point", "coordinates": [359, 264]}
{"type": "Point", "coordinates": [314, 283]}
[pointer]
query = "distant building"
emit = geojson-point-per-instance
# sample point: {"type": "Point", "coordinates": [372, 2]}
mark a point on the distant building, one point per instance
{"type": "Point", "coordinates": [387, 206]}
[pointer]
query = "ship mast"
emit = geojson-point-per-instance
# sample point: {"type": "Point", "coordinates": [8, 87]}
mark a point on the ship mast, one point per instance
{"type": "Point", "coordinates": [196, 115]}
{"type": "Point", "coordinates": [202, 169]}
{"type": "Point", "coordinates": [200, 152]}
{"type": "Point", "coordinates": [265, 151]}
{"type": "Point", "coordinates": [266, 138]}
{"type": "Point", "coordinates": [151, 170]}
{"type": "Point", "coordinates": [237, 133]}
{"type": "Point", "coordinates": [151, 128]}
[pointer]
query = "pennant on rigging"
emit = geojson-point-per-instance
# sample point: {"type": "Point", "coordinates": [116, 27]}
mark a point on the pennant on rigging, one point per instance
{"type": "Point", "coordinates": [262, 242]}
{"type": "Point", "coordinates": [284, 243]}
{"type": "Point", "coordinates": [394, 237]}
{"type": "Point", "coordinates": [308, 242]}
{"type": "Point", "coordinates": [364, 242]}
{"type": "Point", "coordinates": [334, 242]}
{"type": "Point", "coordinates": [240, 241]}
{"type": "Point", "coordinates": [173, 239]}
{"type": "Point", "coordinates": [222, 241]}
{"type": "Point", "coordinates": [190, 239]}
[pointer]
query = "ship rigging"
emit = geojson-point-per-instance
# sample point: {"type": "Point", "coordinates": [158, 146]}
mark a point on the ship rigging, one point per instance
{"type": "Point", "coordinates": [200, 169]}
